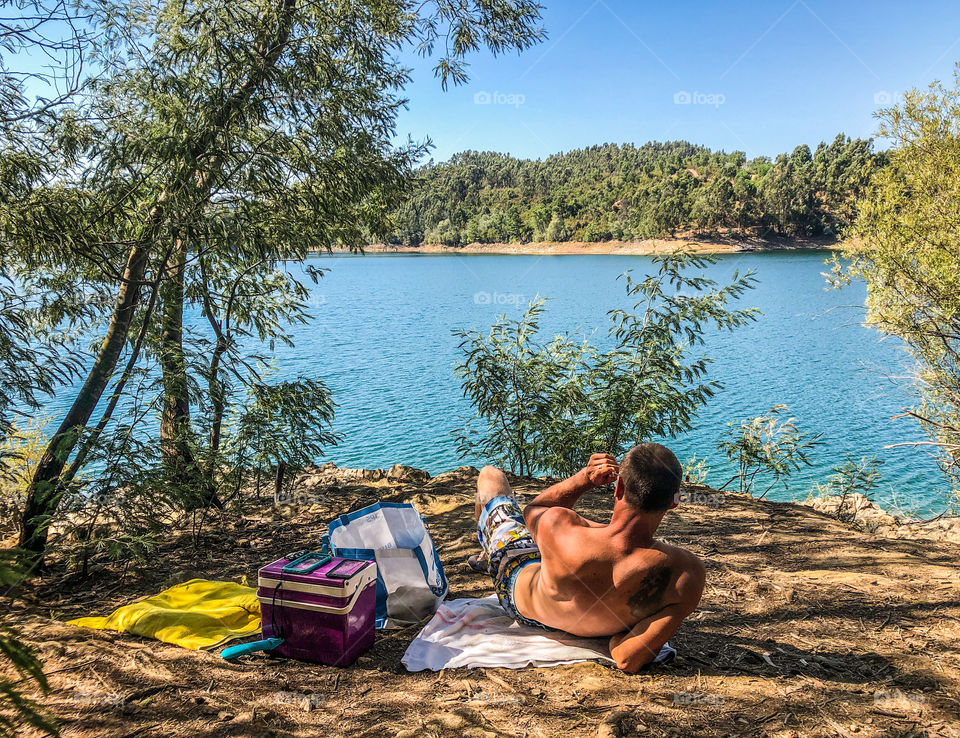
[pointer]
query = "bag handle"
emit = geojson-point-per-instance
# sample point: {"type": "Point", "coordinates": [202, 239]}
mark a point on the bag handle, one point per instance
{"type": "Point", "coordinates": [438, 591]}
{"type": "Point", "coordinates": [444, 585]}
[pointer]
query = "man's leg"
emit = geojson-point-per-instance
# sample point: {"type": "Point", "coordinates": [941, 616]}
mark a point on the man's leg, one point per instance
{"type": "Point", "coordinates": [507, 544]}
{"type": "Point", "coordinates": [491, 483]}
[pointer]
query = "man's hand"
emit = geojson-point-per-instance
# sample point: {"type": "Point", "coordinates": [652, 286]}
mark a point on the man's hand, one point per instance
{"type": "Point", "coordinates": [601, 469]}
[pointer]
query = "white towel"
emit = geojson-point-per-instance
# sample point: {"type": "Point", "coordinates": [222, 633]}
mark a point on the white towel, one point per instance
{"type": "Point", "coordinates": [477, 633]}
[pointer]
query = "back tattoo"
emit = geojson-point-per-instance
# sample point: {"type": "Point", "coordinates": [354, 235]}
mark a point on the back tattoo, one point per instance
{"type": "Point", "coordinates": [646, 600]}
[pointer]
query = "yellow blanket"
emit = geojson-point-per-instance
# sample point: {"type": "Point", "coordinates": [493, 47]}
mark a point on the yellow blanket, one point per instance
{"type": "Point", "coordinates": [197, 614]}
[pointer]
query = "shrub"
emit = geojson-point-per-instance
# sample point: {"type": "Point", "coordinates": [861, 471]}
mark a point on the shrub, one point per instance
{"type": "Point", "coordinates": [20, 450]}
{"type": "Point", "coordinates": [546, 406]}
{"type": "Point", "coordinates": [766, 445]}
{"type": "Point", "coordinates": [16, 710]}
{"type": "Point", "coordinates": [848, 479]}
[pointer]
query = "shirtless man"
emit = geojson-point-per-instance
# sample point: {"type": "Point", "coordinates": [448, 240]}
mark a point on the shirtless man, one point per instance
{"type": "Point", "coordinates": [554, 569]}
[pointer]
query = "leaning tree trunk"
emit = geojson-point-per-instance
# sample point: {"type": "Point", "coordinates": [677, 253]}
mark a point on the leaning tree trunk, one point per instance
{"type": "Point", "coordinates": [46, 489]}
{"type": "Point", "coordinates": [278, 483]}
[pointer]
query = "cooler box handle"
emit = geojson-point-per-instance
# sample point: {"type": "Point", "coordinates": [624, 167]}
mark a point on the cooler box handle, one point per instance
{"type": "Point", "coordinates": [297, 565]}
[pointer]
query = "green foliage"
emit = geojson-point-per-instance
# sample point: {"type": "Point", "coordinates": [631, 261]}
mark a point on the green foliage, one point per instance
{"type": "Point", "coordinates": [288, 422]}
{"type": "Point", "coordinates": [635, 192]}
{"type": "Point", "coordinates": [17, 710]}
{"type": "Point", "coordinates": [20, 449]}
{"type": "Point", "coordinates": [37, 355]}
{"type": "Point", "coordinates": [510, 380]}
{"type": "Point", "coordinates": [696, 470]}
{"type": "Point", "coordinates": [768, 445]}
{"type": "Point", "coordinates": [548, 406]}
{"type": "Point", "coordinates": [905, 247]}
{"type": "Point", "coordinates": [50, 27]}
{"type": "Point", "coordinates": [851, 478]}
{"type": "Point", "coordinates": [217, 142]}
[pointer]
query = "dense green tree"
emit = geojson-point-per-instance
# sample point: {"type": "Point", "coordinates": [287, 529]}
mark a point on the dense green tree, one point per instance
{"type": "Point", "coordinates": [714, 206]}
{"type": "Point", "coordinates": [630, 192]}
{"type": "Point", "coordinates": [249, 131]}
{"type": "Point", "coordinates": [557, 230]}
{"type": "Point", "coordinates": [906, 248]}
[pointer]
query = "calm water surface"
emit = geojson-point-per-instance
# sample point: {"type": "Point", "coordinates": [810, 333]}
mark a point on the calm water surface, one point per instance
{"type": "Point", "coordinates": [382, 340]}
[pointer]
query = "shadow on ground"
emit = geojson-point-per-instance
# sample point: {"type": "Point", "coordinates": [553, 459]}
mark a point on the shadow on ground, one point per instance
{"type": "Point", "coordinates": [807, 628]}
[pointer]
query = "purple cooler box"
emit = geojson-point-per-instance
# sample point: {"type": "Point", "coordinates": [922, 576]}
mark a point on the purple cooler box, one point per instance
{"type": "Point", "coordinates": [322, 607]}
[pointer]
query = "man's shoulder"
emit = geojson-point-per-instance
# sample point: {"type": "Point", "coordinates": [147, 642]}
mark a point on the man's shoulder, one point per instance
{"type": "Point", "coordinates": [679, 559]}
{"type": "Point", "coordinates": [561, 522]}
{"type": "Point", "coordinates": [671, 561]}
{"type": "Point", "coordinates": [689, 570]}
{"type": "Point", "coordinates": [563, 516]}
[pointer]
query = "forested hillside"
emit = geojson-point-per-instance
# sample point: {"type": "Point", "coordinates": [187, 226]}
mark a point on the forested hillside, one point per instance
{"type": "Point", "coordinates": [634, 192]}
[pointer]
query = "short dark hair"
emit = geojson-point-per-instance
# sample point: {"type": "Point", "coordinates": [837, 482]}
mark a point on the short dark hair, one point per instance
{"type": "Point", "coordinates": [651, 477]}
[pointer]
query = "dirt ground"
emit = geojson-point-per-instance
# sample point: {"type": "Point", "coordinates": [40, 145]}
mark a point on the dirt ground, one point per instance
{"type": "Point", "coordinates": [808, 627]}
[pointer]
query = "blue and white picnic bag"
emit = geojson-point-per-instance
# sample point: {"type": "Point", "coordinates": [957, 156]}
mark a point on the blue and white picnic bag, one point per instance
{"type": "Point", "coordinates": [410, 580]}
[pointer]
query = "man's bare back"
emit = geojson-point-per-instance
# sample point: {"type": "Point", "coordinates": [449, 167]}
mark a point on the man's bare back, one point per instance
{"type": "Point", "coordinates": [596, 579]}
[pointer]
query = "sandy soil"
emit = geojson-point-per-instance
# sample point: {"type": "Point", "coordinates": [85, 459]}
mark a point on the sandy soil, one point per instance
{"type": "Point", "coordinates": [717, 245]}
{"type": "Point", "coordinates": [808, 627]}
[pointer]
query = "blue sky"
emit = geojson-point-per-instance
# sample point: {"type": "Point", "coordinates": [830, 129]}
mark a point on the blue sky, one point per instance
{"type": "Point", "coordinates": [762, 77]}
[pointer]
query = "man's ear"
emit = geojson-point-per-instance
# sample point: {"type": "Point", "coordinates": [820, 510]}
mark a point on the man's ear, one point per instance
{"type": "Point", "coordinates": [676, 499]}
{"type": "Point", "coordinates": [618, 490]}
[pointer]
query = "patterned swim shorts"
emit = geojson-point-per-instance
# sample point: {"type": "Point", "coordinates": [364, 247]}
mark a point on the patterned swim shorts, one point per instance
{"type": "Point", "coordinates": [509, 547]}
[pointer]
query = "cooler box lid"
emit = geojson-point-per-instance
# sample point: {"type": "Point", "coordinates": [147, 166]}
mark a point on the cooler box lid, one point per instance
{"type": "Point", "coordinates": [332, 576]}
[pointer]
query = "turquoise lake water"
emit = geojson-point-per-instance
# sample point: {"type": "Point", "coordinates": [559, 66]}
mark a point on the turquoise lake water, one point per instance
{"type": "Point", "coordinates": [382, 340]}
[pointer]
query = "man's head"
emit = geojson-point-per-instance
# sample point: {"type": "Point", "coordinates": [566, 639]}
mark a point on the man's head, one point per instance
{"type": "Point", "coordinates": [650, 478]}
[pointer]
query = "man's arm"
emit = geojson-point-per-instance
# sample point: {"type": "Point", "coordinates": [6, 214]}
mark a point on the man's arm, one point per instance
{"type": "Point", "coordinates": [601, 469]}
{"type": "Point", "coordinates": [640, 645]}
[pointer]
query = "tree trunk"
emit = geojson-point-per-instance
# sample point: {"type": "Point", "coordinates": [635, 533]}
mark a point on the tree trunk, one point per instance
{"type": "Point", "coordinates": [193, 487]}
{"type": "Point", "coordinates": [175, 449]}
{"type": "Point", "coordinates": [278, 483]}
{"type": "Point", "coordinates": [118, 388]}
{"type": "Point", "coordinates": [46, 490]}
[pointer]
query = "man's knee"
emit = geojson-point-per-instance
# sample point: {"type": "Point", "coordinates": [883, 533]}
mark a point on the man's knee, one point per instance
{"type": "Point", "coordinates": [491, 483]}
{"type": "Point", "coordinates": [491, 475]}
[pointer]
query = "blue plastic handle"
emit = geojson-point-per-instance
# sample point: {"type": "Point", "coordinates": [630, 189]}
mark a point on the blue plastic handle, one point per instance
{"type": "Point", "coordinates": [267, 644]}
{"type": "Point", "coordinates": [297, 565]}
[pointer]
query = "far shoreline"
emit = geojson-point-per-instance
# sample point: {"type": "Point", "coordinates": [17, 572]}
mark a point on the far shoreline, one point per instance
{"type": "Point", "coordinates": [647, 247]}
